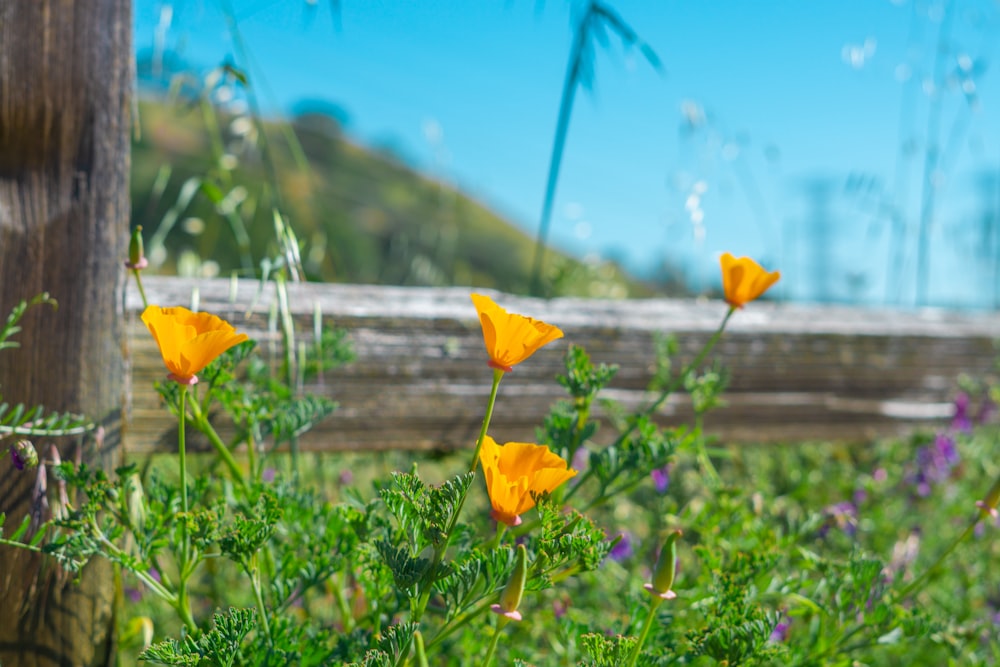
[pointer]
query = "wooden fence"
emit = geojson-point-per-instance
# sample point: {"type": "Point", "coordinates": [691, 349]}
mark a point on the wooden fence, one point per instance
{"type": "Point", "coordinates": [420, 379]}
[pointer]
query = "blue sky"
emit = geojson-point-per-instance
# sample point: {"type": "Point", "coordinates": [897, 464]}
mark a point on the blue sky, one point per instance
{"type": "Point", "coordinates": [757, 102]}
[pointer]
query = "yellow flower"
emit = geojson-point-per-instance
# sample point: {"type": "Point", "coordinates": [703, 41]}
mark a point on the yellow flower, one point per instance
{"type": "Point", "coordinates": [189, 341]}
{"type": "Point", "coordinates": [516, 472]}
{"type": "Point", "coordinates": [510, 338]}
{"type": "Point", "coordinates": [743, 279]}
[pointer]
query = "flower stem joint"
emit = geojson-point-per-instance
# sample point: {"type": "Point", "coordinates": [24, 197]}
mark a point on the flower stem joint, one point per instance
{"type": "Point", "coordinates": [666, 569]}
{"type": "Point", "coordinates": [510, 599]}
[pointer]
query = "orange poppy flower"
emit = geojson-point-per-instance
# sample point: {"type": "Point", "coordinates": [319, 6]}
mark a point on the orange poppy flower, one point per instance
{"type": "Point", "coordinates": [743, 279]}
{"type": "Point", "coordinates": [516, 472]}
{"type": "Point", "coordinates": [510, 338]}
{"type": "Point", "coordinates": [189, 341]}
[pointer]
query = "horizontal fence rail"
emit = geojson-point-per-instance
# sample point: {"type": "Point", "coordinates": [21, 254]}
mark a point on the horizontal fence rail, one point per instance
{"type": "Point", "coordinates": [420, 379]}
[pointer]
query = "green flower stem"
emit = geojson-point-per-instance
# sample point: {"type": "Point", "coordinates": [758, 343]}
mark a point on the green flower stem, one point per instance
{"type": "Point", "coordinates": [498, 537]}
{"type": "Point", "coordinates": [202, 424]}
{"type": "Point", "coordinates": [678, 380]}
{"type": "Point", "coordinates": [138, 283]}
{"type": "Point", "coordinates": [251, 457]}
{"type": "Point", "coordinates": [702, 454]}
{"type": "Point", "coordinates": [493, 642]}
{"type": "Point", "coordinates": [460, 622]}
{"type": "Point", "coordinates": [428, 581]}
{"type": "Point", "coordinates": [183, 605]}
{"type": "Point", "coordinates": [346, 617]}
{"type": "Point", "coordinates": [113, 550]}
{"type": "Point", "coordinates": [497, 376]}
{"type": "Point", "coordinates": [650, 619]}
{"type": "Point", "coordinates": [986, 508]}
{"type": "Point", "coordinates": [674, 385]}
{"type": "Point", "coordinates": [254, 573]}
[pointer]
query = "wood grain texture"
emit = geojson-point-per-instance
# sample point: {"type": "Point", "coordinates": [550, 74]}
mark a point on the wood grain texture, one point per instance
{"type": "Point", "coordinates": [65, 85]}
{"type": "Point", "coordinates": [420, 380]}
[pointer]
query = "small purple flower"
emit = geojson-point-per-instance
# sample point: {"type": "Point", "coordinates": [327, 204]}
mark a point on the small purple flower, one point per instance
{"type": "Point", "coordinates": [961, 422]}
{"type": "Point", "coordinates": [935, 463]}
{"type": "Point", "coordinates": [345, 477]}
{"type": "Point", "coordinates": [945, 446]}
{"type": "Point", "coordinates": [581, 457]}
{"type": "Point", "coordinates": [622, 549]}
{"type": "Point", "coordinates": [268, 475]}
{"type": "Point", "coordinates": [780, 632]}
{"type": "Point", "coordinates": [843, 515]}
{"type": "Point", "coordinates": [560, 606]}
{"type": "Point", "coordinates": [661, 478]}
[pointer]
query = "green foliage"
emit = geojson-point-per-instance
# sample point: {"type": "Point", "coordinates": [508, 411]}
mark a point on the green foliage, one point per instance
{"type": "Point", "coordinates": [423, 512]}
{"type": "Point", "coordinates": [605, 651]}
{"type": "Point", "coordinates": [219, 646]}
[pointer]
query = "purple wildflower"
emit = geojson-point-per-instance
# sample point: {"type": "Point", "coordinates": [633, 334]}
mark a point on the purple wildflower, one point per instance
{"type": "Point", "coordinates": [843, 515]}
{"type": "Point", "coordinates": [560, 606]}
{"type": "Point", "coordinates": [16, 459]}
{"type": "Point", "coordinates": [961, 421]}
{"type": "Point", "coordinates": [268, 475]}
{"type": "Point", "coordinates": [622, 549]}
{"type": "Point", "coordinates": [661, 478]}
{"type": "Point", "coordinates": [934, 464]}
{"type": "Point", "coordinates": [345, 477]}
{"type": "Point", "coordinates": [780, 632]}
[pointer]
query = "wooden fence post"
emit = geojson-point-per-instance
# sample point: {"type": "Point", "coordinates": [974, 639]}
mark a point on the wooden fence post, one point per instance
{"type": "Point", "coordinates": [65, 89]}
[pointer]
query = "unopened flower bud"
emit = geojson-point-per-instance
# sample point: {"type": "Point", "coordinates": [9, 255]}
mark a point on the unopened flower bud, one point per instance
{"type": "Point", "coordinates": [510, 598]}
{"type": "Point", "coordinates": [23, 455]}
{"type": "Point", "coordinates": [666, 569]}
{"type": "Point", "coordinates": [136, 256]}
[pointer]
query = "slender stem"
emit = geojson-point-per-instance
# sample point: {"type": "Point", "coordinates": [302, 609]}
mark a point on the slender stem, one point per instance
{"type": "Point", "coordinates": [497, 376]}
{"type": "Point", "coordinates": [428, 582]}
{"type": "Point", "coordinates": [678, 380]}
{"type": "Point", "coordinates": [346, 616]}
{"type": "Point", "coordinates": [183, 606]}
{"type": "Point", "coordinates": [254, 573]}
{"type": "Point", "coordinates": [493, 642]}
{"type": "Point", "coordinates": [495, 542]}
{"type": "Point", "coordinates": [702, 454]}
{"type": "Point", "coordinates": [459, 622]}
{"type": "Point", "coordinates": [203, 425]}
{"type": "Point", "coordinates": [987, 507]}
{"type": "Point", "coordinates": [650, 619]}
{"type": "Point", "coordinates": [138, 283]}
{"type": "Point", "coordinates": [181, 450]}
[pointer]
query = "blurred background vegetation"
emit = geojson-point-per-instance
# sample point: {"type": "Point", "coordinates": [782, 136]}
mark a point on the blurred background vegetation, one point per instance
{"type": "Point", "coordinates": [207, 185]}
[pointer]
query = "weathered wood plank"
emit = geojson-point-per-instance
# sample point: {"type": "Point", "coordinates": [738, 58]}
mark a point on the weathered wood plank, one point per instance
{"type": "Point", "coordinates": [420, 380]}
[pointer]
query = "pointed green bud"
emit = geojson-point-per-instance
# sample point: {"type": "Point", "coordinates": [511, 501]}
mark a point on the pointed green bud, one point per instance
{"type": "Point", "coordinates": [666, 568]}
{"type": "Point", "coordinates": [136, 254]}
{"type": "Point", "coordinates": [510, 598]}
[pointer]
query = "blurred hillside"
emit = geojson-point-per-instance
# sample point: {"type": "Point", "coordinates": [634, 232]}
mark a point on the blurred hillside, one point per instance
{"type": "Point", "coordinates": [206, 187]}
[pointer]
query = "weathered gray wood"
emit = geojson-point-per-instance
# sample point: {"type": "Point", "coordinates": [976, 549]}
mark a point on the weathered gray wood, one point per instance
{"type": "Point", "coordinates": [420, 380]}
{"type": "Point", "coordinates": [65, 85]}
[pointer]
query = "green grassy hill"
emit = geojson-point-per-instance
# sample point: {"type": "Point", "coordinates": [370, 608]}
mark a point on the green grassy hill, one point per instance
{"type": "Point", "coordinates": [205, 188]}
